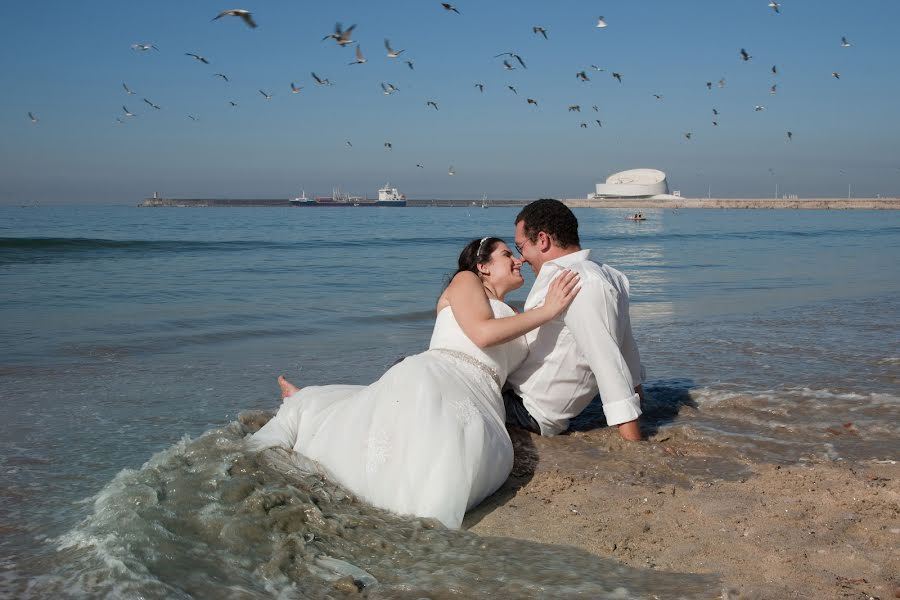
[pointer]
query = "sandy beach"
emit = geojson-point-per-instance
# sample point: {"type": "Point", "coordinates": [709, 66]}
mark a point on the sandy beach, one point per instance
{"type": "Point", "coordinates": [809, 530]}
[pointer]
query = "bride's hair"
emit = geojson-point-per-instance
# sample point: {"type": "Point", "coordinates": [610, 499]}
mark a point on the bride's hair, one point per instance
{"type": "Point", "coordinates": [477, 252]}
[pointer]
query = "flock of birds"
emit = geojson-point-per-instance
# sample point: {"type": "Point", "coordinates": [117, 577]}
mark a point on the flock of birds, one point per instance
{"type": "Point", "coordinates": [511, 61]}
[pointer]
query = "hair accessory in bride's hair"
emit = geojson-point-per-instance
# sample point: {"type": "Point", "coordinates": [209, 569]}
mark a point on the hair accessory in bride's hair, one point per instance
{"type": "Point", "coordinates": [481, 246]}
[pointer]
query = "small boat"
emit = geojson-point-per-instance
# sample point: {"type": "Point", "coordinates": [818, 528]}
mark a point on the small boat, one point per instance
{"type": "Point", "coordinates": [637, 217]}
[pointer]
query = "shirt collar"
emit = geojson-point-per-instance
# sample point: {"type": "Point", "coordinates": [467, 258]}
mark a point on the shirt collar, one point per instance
{"type": "Point", "coordinates": [567, 260]}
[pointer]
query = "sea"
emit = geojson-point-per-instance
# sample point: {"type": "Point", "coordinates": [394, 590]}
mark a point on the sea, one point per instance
{"type": "Point", "coordinates": [140, 348]}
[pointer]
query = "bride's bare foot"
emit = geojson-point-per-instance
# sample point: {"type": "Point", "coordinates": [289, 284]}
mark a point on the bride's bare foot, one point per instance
{"type": "Point", "coordinates": [287, 388]}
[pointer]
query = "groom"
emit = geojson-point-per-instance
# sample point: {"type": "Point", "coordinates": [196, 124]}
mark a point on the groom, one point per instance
{"type": "Point", "coordinates": [587, 349]}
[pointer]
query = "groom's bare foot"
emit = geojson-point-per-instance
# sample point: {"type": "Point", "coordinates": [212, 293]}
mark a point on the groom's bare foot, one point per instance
{"type": "Point", "coordinates": [287, 388]}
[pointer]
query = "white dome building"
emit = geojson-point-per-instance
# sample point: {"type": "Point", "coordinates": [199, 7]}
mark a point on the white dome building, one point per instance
{"type": "Point", "coordinates": [634, 183]}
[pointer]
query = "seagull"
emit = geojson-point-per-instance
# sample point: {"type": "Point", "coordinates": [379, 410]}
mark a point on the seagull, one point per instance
{"type": "Point", "coordinates": [192, 117]}
{"type": "Point", "coordinates": [759, 108]}
{"type": "Point", "coordinates": [360, 59]}
{"type": "Point", "coordinates": [774, 69]}
{"type": "Point", "coordinates": [531, 101]}
{"type": "Point", "coordinates": [583, 125]}
{"type": "Point", "coordinates": [449, 7]}
{"type": "Point", "coordinates": [389, 145]}
{"type": "Point", "coordinates": [835, 74]}
{"type": "Point", "coordinates": [599, 124]}
{"type": "Point", "coordinates": [709, 85]}
{"type": "Point", "coordinates": [582, 76]}
{"type": "Point", "coordinates": [480, 87]}
{"type": "Point", "coordinates": [320, 80]}
{"type": "Point", "coordinates": [127, 91]}
{"type": "Point", "coordinates": [144, 47]}
{"type": "Point", "coordinates": [540, 30]}
{"type": "Point", "coordinates": [775, 5]}
{"type": "Point", "coordinates": [722, 83]}
{"type": "Point", "coordinates": [745, 56]}
{"type": "Point", "coordinates": [349, 145]}
{"type": "Point", "coordinates": [232, 103]}
{"type": "Point", "coordinates": [596, 68]}
{"type": "Point", "coordinates": [419, 165]}
{"type": "Point", "coordinates": [295, 89]}
{"type": "Point", "coordinates": [433, 104]}
{"type": "Point", "coordinates": [341, 36]}
{"type": "Point", "coordinates": [688, 135]}
{"type": "Point", "coordinates": [601, 23]}
{"type": "Point", "coordinates": [512, 55]}
{"type": "Point", "coordinates": [596, 108]}
{"type": "Point", "coordinates": [845, 43]}
{"type": "Point", "coordinates": [221, 75]}
{"type": "Point", "coordinates": [790, 135]}
{"type": "Point", "coordinates": [715, 112]}
{"type": "Point", "coordinates": [265, 95]}
{"type": "Point", "coordinates": [508, 66]}
{"type": "Point", "coordinates": [127, 112]}
{"type": "Point", "coordinates": [409, 64]}
{"type": "Point", "coordinates": [197, 57]}
{"type": "Point", "coordinates": [657, 96]}
{"type": "Point", "coordinates": [715, 123]}
{"type": "Point", "coordinates": [388, 88]}
{"type": "Point", "coordinates": [238, 12]}
{"type": "Point", "coordinates": [617, 77]}
{"type": "Point", "coordinates": [574, 108]}
{"type": "Point", "coordinates": [33, 118]}
{"type": "Point", "coordinates": [151, 104]}
{"type": "Point", "coordinates": [119, 121]}
{"type": "Point", "coordinates": [391, 53]}
{"type": "Point", "coordinates": [773, 89]}
{"type": "Point", "coordinates": [513, 90]}
{"type": "Point", "coordinates": [451, 171]}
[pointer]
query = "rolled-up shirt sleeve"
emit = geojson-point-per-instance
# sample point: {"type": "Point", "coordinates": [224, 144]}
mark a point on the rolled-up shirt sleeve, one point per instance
{"type": "Point", "coordinates": [595, 322]}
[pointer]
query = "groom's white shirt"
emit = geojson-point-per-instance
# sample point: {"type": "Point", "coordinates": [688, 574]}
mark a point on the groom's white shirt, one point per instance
{"type": "Point", "coordinates": [589, 348]}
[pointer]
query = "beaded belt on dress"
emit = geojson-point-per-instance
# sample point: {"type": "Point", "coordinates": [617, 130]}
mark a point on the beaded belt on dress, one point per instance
{"type": "Point", "coordinates": [467, 358]}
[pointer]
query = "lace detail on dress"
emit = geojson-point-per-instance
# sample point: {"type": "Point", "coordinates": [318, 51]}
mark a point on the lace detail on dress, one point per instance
{"type": "Point", "coordinates": [462, 356]}
{"type": "Point", "coordinates": [379, 446]}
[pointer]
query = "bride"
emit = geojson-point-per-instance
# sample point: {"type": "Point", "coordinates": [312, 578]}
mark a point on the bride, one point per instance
{"type": "Point", "coordinates": [429, 437]}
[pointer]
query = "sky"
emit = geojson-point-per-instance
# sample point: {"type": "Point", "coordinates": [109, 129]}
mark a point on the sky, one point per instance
{"type": "Point", "coordinates": [66, 64]}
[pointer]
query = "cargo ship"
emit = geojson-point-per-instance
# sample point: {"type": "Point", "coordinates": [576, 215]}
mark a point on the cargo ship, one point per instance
{"type": "Point", "coordinates": [387, 196]}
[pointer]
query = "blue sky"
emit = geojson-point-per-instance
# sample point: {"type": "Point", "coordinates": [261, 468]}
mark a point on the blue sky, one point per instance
{"type": "Point", "coordinates": [66, 64]}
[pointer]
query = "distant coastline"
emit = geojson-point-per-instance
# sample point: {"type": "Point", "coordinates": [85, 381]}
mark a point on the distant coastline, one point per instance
{"type": "Point", "coordinates": [721, 203]}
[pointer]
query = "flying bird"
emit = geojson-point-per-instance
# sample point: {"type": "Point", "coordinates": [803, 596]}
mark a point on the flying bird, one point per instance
{"type": "Point", "coordinates": [773, 89]}
{"type": "Point", "coordinates": [419, 165]}
{"type": "Point", "coordinates": [596, 68]}
{"type": "Point", "coordinates": [721, 83]}
{"type": "Point", "coordinates": [480, 87]}
{"type": "Point", "coordinates": [688, 135]}
{"type": "Point", "coordinates": [389, 145]}
{"type": "Point", "coordinates": [197, 57]}
{"type": "Point", "coordinates": [715, 112]}
{"type": "Point", "coordinates": [775, 6]}
{"type": "Point", "coordinates": [449, 7]}
{"type": "Point", "coordinates": [127, 112]}
{"type": "Point", "coordinates": [295, 89]}
{"type": "Point", "coordinates": [601, 23]}
{"type": "Point", "coordinates": [391, 53]}
{"type": "Point", "coordinates": [232, 103]}
{"type": "Point", "coordinates": [119, 121]}
{"type": "Point", "coordinates": [144, 47]}
{"type": "Point", "coordinates": [835, 74]}
{"type": "Point", "coordinates": [845, 43]}
{"type": "Point", "coordinates": [222, 76]}
{"type": "Point", "coordinates": [715, 123]}
{"type": "Point", "coordinates": [596, 108]}
{"type": "Point", "coordinates": [341, 36]}
{"type": "Point", "coordinates": [409, 64]}
{"type": "Point", "coordinates": [581, 75]}
{"type": "Point", "coordinates": [33, 118]}
{"type": "Point", "coordinates": [709, 85]}
{"type": "Point", "coordinates": [513, 90]}
{"type": "Point", "coordinates": [349, 145]}
{"type": "Point", "coordinates": [265, 95]}
{"type": "Point", "coordinates": [759, 108]}
{"type": "Point", "coordinates": [451, 171]}
{"type": "Point", "coordinates": [245, 15]}
{"type": "Point", "coordinates": [599, 124]}
{"type": "Point", "coordinates": [433, 104]}
{"type": "Point", "coordinates": [508, 66]}
{"type": "Point", "coordinates": [617, 77]}
{"type": "Point", "coordinates": [531, 101]}
{"type": "Point", "coordinates": [774, 69]}
{"type": "Point", "coordinates": [127, 90]}
{"type": "Point", "coordinates": [512, 55]}
{"type": "Point", "coordinates": [388, 88]}
{"type": "Point", "coordinates": [583, 125]}
{"type": "Point", "coordinates": [360, 59]}
{"type": "Point", "coordinates": [745, 56]}
{"type": "Point", "coordinates": [574, 108]}
{"type": "Point", "coordinates": [790, 135]}
{"type": "Point", "coordinates": [540, 30]}
{"type": "Point", "coordinates": [658, 96]}
{"type": "Point", "coordinates": [321, 80]}
{"type": "Point", "coordinates": [151, 104]}
{"type": "Point", "coordinates": [192, 118]}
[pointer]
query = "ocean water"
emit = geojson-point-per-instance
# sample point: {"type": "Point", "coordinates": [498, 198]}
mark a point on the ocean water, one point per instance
{"type": "Point", "coordinates": [140, 345]}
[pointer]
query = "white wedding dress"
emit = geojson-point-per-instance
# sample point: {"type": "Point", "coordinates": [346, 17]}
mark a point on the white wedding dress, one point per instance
{"type": "Point", "coordinates": [427, 439]}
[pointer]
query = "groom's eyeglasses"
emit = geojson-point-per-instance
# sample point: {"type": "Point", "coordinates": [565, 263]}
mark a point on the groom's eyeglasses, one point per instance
{"type": "Point", "coordinates": [520, 246]}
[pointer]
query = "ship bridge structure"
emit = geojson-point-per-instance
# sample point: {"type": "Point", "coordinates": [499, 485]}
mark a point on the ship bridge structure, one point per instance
{"type": "Point", "coordinates": [634, 183]}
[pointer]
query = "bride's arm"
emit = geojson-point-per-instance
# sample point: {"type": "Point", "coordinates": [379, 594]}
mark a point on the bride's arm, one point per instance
{"type": "Point", "coordinates": [473, 310]}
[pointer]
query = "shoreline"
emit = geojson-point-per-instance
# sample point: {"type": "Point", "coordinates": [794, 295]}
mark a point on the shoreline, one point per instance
{"type": "Point", "coordinates": [818, 529]}
{"type": "Point", "coordinates": [708, 203]}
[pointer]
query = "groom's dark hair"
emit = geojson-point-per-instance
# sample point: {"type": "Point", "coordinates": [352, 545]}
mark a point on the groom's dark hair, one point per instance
{"type": "Point", "coordinates": [553, 218]}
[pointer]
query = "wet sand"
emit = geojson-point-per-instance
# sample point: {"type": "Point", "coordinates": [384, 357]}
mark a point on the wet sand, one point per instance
{"type": "Point", "coordinates": [815, 529]}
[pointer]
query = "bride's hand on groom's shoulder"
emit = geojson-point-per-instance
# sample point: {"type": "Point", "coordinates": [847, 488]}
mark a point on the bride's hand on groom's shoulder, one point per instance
{"type": "Point", "coordinates": [561, 292]}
